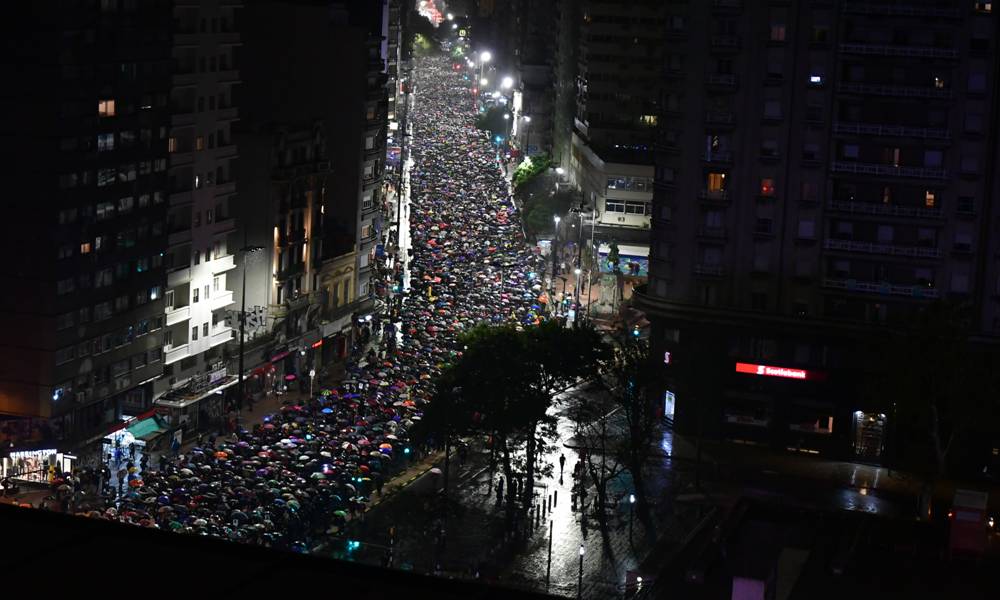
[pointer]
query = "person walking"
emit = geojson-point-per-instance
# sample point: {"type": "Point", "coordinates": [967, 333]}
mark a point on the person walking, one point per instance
{"type": "Point", "coordinates": [562, 464]}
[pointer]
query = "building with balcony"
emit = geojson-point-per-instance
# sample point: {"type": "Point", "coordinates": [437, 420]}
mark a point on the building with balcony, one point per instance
{"type": "Point", "coordinates": [84, 225]}
{"type": "Point", "coordinates": [200, 219]}
{"type": "Point", "coordinates": [617, 82]}
{"type": "Point", "coordinates": [312, 138]}
{"type": "Point", "coordinates": [822, 175]}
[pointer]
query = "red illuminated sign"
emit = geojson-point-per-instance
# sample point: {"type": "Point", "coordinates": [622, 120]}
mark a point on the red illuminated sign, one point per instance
{"type": "Point", "coordinates": [317, 344]}
{"type": "Point", "coordinates": [772, 371]}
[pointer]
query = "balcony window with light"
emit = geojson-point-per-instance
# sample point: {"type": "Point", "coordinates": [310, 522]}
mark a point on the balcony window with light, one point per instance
{"type": "Point", "coordinates": [930, 198]}
{"type": "Point", "coordinates": [983, 7]}
{"type": "Point", "coordinates": [777, 32]}
{"type": "Point", "coordinates": [767, 187]}
{"type": "Point", "coordinates": [105, 108]}
{"type": "Point", "coordinates": [716, 183]}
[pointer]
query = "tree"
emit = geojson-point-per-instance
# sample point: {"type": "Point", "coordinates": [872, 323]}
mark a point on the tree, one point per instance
{"type": "Point", "coordinates": [938, 383]}
{"type": "Point", "coordinates": [629, 379]}
{"type": "Point", "coordinates": [504, 383]}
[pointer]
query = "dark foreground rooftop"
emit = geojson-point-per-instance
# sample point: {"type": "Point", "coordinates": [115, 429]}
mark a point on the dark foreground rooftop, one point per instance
{"type": "Point", "coordinates": [49, 548]}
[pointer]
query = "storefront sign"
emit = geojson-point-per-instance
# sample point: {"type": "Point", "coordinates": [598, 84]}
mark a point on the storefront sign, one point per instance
{"type": "Point", "coordinates": [772, 371]}
{"type": "Point", "coordinates": [317, 344]}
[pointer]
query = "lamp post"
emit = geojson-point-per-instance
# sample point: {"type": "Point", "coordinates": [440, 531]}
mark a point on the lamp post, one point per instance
{"type": "Point", "coordinates": [484, 57]}
{"type": "Point", "coordinates": [507, 125]}
{"type": "Point", "coordinates": [631, 515]}
{"type": "Point", "coordinates": [555, 249]}
{"type": "Point", "coordinates": [246, 251]}
{"type": "Point", "coordinates": [576, 297]}
{"type": "Point", "coordinates": [579, 577]}
{"type": "Point", "coordinates": [312, 378]}
{"type": "Point", "coordinates": [527, 135]}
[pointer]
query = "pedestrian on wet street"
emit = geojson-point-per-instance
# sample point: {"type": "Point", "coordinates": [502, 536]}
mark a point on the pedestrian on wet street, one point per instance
{"type": "Point", "coordinates": [562, 464]}
{"type": "Point", "coordinates": [500, 490]}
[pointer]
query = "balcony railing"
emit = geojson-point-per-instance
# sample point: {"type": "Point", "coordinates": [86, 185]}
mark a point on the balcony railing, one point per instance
{"type": "Point", "coordinates": [719, 118]}
{"type": "Point", "coordinates": [221, 337]}
{"type": "Point", "coordinates": [714, 196]}
{"type": "Point", "coordinates": [879, 208]}
{"type": "Point", "coordinates": [887, 249]}
{"type": "Point", "coordinates": [178, 277]}
{"type": "Point", "coordinates": [903, 91]}
{"type": "Point", "coordinates": [721, 80]}
{"type": "Point", "coordinates": [724, 157]}
{"type": "Point", "coordinates": [221, 299]}
{"type": "Point", "coordinates": [712, 232]}
{"type": "Point", "coordinates": [223, 264]}
{"type": "Point", "coordinates": [711, 270]}
{"type": "Point", "coordinates": [175, 353]}
{"type": "Point", "coordinates": [885, 288]}
{"type": "Point", "coordinates": [899, 10]}
{"type": "Point", "coordinates": [905, 51]}
{"type": "Point", "coordinates": [888, 170]}
{"type": "Point", "coordinates": [725, 42]}
{"type": "Point", "coordinates": [176, 315]}
{"type": "Point", "coordinates": [928, 133]}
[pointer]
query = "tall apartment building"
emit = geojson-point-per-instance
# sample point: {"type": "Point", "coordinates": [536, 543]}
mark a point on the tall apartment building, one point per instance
{"type": "Point", "coordinates": [202, 178]}
{"type": "Point", "coordinates": [824, 170]}
{"type": "Point", "coordinates": [536, 73]}
{"type": "Point", "coordinates": [85, 125]}
{"type": "Point", "coordinates": [312, 138]}
{"type": "Point", "coordinates": [618, 81]}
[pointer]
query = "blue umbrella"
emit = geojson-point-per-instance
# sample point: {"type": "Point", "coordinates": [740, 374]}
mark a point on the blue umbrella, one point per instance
{"type": "Point", "coordinates": [327, 411]}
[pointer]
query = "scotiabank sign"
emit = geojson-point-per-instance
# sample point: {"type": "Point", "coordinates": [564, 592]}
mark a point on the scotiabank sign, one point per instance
{"type": "Point", "coordinates": [772, 371]}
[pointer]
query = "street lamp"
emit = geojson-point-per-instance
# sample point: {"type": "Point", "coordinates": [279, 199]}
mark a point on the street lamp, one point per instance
{"type": "Point", "coordinates": [451, 17]}
{"type": "Point", "coordinates": [579, 577]}
{"type": "Point", "coordinates": [312, 378]}
{"type": "Point", "coordinates": [484, 57]}
{"type": "Point", "coordinates": [527, 134]}
{"type": "Point", "coordinates": [631, 515]}
{"type": "Point", "coordinates": [247, 252]}
{"type": "Point", "coordinates": [507, 83]}
{"type": "Point", "coordinates": [484, 82]}
{"type": "Point", "coordinates": [555, 247]}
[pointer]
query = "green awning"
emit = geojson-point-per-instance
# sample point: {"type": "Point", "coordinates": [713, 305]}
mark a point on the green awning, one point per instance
{"type": "Point", "coordinates": [148, 429]}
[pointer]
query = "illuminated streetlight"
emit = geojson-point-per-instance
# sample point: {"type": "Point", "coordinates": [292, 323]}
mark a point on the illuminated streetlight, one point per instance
{"type": "Point", "coordinates": [451, 17]}
{"type": "Point", "coordinates": [506, 116]}
{"type": "Point", "coordinates": [560, 170]}
{"type": "Point", "coordinates": [485, 56]}
{"type": "Point", "coordinates": [527, 119]}
{"type": "Point", "coordinates": [454, 25]}
{"type": "Point", "coordinates": [507, 83]}
{"type": "Point", "coordinates": [484, 82]}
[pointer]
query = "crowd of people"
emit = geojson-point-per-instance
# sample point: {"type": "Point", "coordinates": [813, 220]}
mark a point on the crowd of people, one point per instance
{"type": "Point", "coordinates": [303, 472]}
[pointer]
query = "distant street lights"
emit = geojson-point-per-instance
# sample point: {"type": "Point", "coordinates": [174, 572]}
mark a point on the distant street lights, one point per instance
{"type": "Point", "coordinates": [507, 82]}
{"type": "Point", "coordinates": [579, 577]}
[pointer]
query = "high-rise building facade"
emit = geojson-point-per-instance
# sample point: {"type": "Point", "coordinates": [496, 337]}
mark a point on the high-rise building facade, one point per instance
{"type": "Point", "coordinates": [312, 139]}
{"type": "Point", "coordinates": [86, 122]}
{"type": "Point", "coordinates": [618, 81]}
{"type": "Point", "coordinates": [824, 170]}
{"type": "Point", "coordinates": [202, 178]}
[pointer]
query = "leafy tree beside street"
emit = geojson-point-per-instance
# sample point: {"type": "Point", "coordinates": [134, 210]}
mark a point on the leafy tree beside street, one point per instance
{"type": "Point", "coordinates": [504, 383]}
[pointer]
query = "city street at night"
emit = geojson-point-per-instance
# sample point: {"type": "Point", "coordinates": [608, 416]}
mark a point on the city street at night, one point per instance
{"type": "Point", "coordinates": [503, 299]}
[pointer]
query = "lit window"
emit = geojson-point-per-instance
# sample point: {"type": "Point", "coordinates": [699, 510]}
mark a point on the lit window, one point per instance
{"type": "Point", "coordinates": [930, 198]}
{"type": "Point", "coordinates": [85, 248]}
{"type": "Point", "coordinates": [171, 144]}
{"type": "Point", "coordinates": [815, 79]}
{"type": "Point", "coordinates": [939, 83]}
{"type": "Point", "coordinates": [106, 108]}
{"type": "Point", "coordinates": [767, 187]}
{"type": "Point", "coordinates": [648, 120]}
{"type": "Point", "coordinates": [716, 182]}
{"type": "Point", "coordinates": [983, 7]}
{"type": "Point", "coordinates": [105, 142]}
{"type": "Point", "coordinates": [199, 143]}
